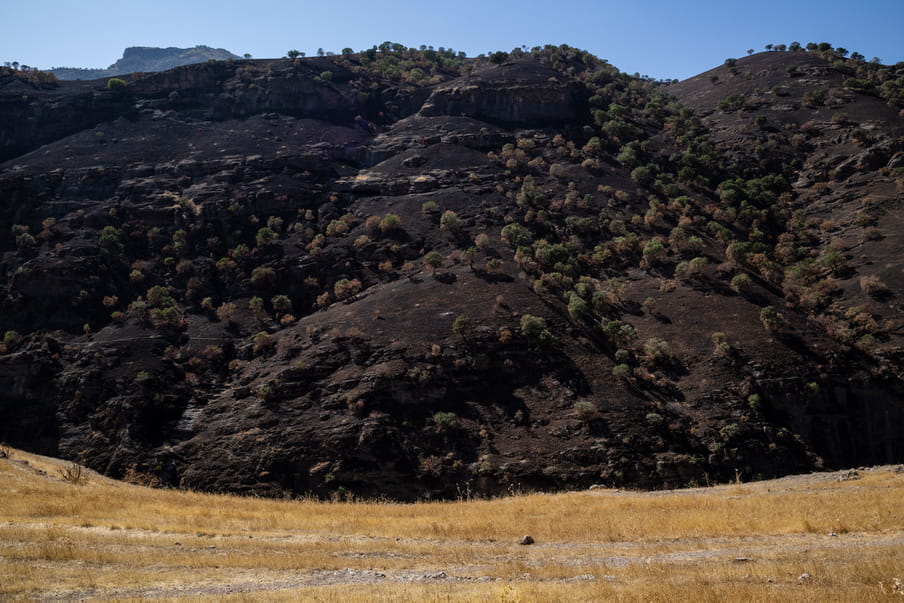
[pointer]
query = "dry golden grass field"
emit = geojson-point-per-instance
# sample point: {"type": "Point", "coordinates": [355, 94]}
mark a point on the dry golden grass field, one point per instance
{"type": "Point", "coordinates": [822, 537]}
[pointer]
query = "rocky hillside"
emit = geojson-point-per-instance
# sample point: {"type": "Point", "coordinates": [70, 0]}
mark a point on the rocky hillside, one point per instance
{"type": "Point", "coordinates": [411, 274]}
{"type": "Point", "coordinates": [136, 59]}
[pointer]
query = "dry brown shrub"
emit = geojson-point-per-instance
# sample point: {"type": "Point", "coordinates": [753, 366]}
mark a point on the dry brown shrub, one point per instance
{"type": "Point", "coordinates": [873, 286]}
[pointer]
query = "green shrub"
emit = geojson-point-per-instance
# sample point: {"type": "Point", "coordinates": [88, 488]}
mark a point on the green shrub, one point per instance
{"type": "Point", "coordinates": [262, 341]}
{"type": "Point", "coordinates": [643, 175]}
{"type": "Point", "coordinates": [256, 305]}
{"type": "Point", "coordinates": [445, 420]}
{"type": "Point", "coordinates": [499, 57]}
{"type": "Point", "coordinates": [468, 255]}
{"type": "Point", "coordinates": [577, 307]}
{"type": "Point", "coordinates": [115, 83]}
{"type": "Point", "coordinates": [654, 252]}
{"type": "Point", "coordinates": [433, 260]}
{"type": "Point", "coordinates": [656, 349]}
{"type": "Point", "coordinates": [265, 236]}
{"type": "Point", "coordinates": [493, 265]}
{"type": "Point", "coordinates": [109, 240]}
{"type": "Point", "coordinates": [770, 318]}
{"type": "Point", "coordinates": [853, 83]}
{"type": "Point", "coordinates": [159, 296]}
{"type": "Point", "coordinates": [461, 325]}
{"type": "Point", "coordinates": [281, 303]}
{"type": "Point", "coordinates": [390, 223]}
{"type": "Point", "coordinates": [450, 221]}
{"type": "Point", "coordinates": [622, 371]}
{"type": "Point", "coordinates": [516, 235]}
{"type": "Point", "coordinates": [533, 328]}
{"type": "Point", "coordinates": [620, 333]}
{"type": "Point", "coordinates": [813, 98]}
{"type": "Point", "coordinates": [732, 102]}
{"type": "Point", "coordinates": [166, 316]}
{"type": "Point", "coordinates": [654, 419]}
{"type": "Point", "coordinates": [741, 283]}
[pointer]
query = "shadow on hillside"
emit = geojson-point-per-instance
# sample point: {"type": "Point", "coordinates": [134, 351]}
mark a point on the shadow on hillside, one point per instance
{"type": "Point", "coordinates": [493, 277]}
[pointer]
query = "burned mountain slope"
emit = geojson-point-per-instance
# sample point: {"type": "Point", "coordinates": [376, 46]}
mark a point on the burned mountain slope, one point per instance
{"type": "Point", "coordinates": [408, 274]}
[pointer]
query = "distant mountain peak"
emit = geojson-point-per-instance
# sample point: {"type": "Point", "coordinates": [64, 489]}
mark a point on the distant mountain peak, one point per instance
{"type": "Point", "coordinates": [147, 59]}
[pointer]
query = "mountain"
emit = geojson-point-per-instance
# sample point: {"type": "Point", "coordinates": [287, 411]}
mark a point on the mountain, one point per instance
{"type": "Point", "coordinates": [412, 274]}
{"type": "Point", "coordinates": [137, 59]}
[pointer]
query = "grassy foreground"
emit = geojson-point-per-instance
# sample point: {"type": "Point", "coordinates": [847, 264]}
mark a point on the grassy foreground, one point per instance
{"type": "Point", "coordinates": [810, 538]}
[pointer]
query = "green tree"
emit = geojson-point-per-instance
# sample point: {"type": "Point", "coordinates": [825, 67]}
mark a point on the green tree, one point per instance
{"type": "Point", "coordinates": [656, 349]}
{"type": "Point", "coordinates": [732, 102]}
{"type": "Point", "coordinates": [256, 305]}
{"type": "Point", "coordinates": [534, 329]}
{"type": "Point", "coordinates": [770, 318]}
{"type": "Point", "coordinates": [281, 303]}
{"type": "Point", "coordinates": [265, 236]}
{"type": "Point", "coordinates": [450, 221]}
{"type": "Point", "coordinates": [516, 235]}
{"type": "Point", "coordinates": [262, 341]}
{"type": "Point", "coordinates": [643, 174]}
{"type": "Point", "coordinates": [109, 240]}
{"type": "Point", "coordinates": [434, 260]}
{"type": "Point", "coordinates": [654, 252]}
{"type": "Point", "coordinates": [11, 339]}
{"type": "Point", "coordinates": [159, 297]}
{"type": "Point", "coordinates": [577, 307]}
{"type": "Point", "coordinates": [494, 265]}
{"type": "Point", "coordinates": [622, 371]}
{"type": "Point", "coordinates": [741, 283]}
{"type": "Point", "coordinates": [461, 325]}
{"type": "Point", "coordinates": [468, 256]}
{"type": "Point", "coordinates": [445, 420]}
{"type": "Point", "coordinates": [620, 334]}
{"type": "Point", "coordinates": [167, 316]}
{"type": "Point", "coordinates": [390, 223]}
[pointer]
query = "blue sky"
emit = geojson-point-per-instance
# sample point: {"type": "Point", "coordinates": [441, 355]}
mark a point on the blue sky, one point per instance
{"type": "Point", "coordinates": [662, 39]}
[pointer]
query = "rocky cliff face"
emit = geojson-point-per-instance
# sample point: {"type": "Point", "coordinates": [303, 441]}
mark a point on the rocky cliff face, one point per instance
{"type": "Point", "coordinates": [411, 275]}
{"type": "Point", "coordinates": [515, 94]}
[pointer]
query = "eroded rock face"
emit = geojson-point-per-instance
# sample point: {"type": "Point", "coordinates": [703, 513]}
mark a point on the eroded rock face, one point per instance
{"type": "Point", "coordinates": [515, 94]}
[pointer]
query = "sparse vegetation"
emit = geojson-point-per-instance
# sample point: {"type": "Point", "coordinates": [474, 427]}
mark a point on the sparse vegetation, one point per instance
{"type": "Point", "coordinates": [681, 545]}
